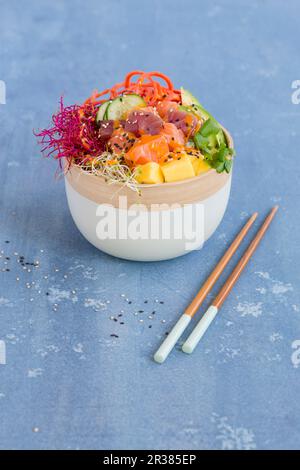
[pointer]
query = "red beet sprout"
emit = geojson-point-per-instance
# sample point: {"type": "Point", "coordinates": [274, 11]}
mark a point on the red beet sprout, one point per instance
{"type": "Point", "coordinates": [74, 135]}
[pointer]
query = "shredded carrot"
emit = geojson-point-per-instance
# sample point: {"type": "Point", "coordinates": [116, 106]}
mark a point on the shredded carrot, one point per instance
{"type": "Point", "coordinates": [129, 76]}
{"type": "Point", "coordinates": [145, 85]}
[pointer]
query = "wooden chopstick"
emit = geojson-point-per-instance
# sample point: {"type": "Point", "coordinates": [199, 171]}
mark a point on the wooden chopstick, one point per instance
{"type": "Point", "coordinates": [177, 330]}
{"type": "Point", "coordinates": [207, 318]}
{"type": "Point", "coordinates": [215, 274]}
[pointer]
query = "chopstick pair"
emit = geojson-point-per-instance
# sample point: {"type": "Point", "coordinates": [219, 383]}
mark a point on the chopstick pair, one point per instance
{"type": "Point", "coordinates": [194, 338]}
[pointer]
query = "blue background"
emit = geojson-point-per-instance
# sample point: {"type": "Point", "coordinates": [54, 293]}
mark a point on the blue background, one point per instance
{"type": "Point", "coordinates": [68, 383]}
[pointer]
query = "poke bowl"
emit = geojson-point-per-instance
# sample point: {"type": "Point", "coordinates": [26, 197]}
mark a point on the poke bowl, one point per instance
{"type": "Point", "coordinates": [147, 169]}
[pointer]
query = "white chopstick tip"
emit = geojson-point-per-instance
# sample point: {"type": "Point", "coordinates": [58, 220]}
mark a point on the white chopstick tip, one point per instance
{"type": "Point", "coordinates": [186, 348]}
{"type": "Point", "coordinates": [159, 358]}
{"type": "Point", "coordinates": [199, 330]}
{"type": "Point", "coordinates": [168, 344]}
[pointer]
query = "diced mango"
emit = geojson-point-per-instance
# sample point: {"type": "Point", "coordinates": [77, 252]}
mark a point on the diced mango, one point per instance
{"type": "Point", "coordinates": [149, 173]}
{"type": "Point", "coordinates": [177, 170]}
{"type": "Point", "coordinates": [203, 167]}
{"type": "Point", "coordinates": [199, 165]}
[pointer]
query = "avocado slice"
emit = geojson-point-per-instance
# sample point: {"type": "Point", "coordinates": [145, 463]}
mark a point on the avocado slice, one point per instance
{"type": "Point", "coordinates": [210, 139]}
{"type": "Point", "coordinates": [189, 101]}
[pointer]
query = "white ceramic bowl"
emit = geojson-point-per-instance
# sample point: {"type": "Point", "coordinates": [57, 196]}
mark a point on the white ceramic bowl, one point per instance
{"type": "Point", "coordinates": [145, 232]}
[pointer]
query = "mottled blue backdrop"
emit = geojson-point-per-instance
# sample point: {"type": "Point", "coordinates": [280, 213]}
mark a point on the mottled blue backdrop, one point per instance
{"type": "Point", "coordinates": [67, 382]}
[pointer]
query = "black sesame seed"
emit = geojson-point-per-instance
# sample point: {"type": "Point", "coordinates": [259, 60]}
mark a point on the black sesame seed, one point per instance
{"type": "Point", "coordinates": [141, 311]}
{"type": "Point", "coordinates": [6, 241]}
{"type": "Point", "coordinates": [150, 326]}
{"type": "Point", "coordinates": [47, 293]}
{"type": "Point", "coordinates": [161, 302]}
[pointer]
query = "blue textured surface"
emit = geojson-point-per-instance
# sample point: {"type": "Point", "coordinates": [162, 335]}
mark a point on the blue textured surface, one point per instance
{"type": "Point", "coordinates": [68, 383]}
